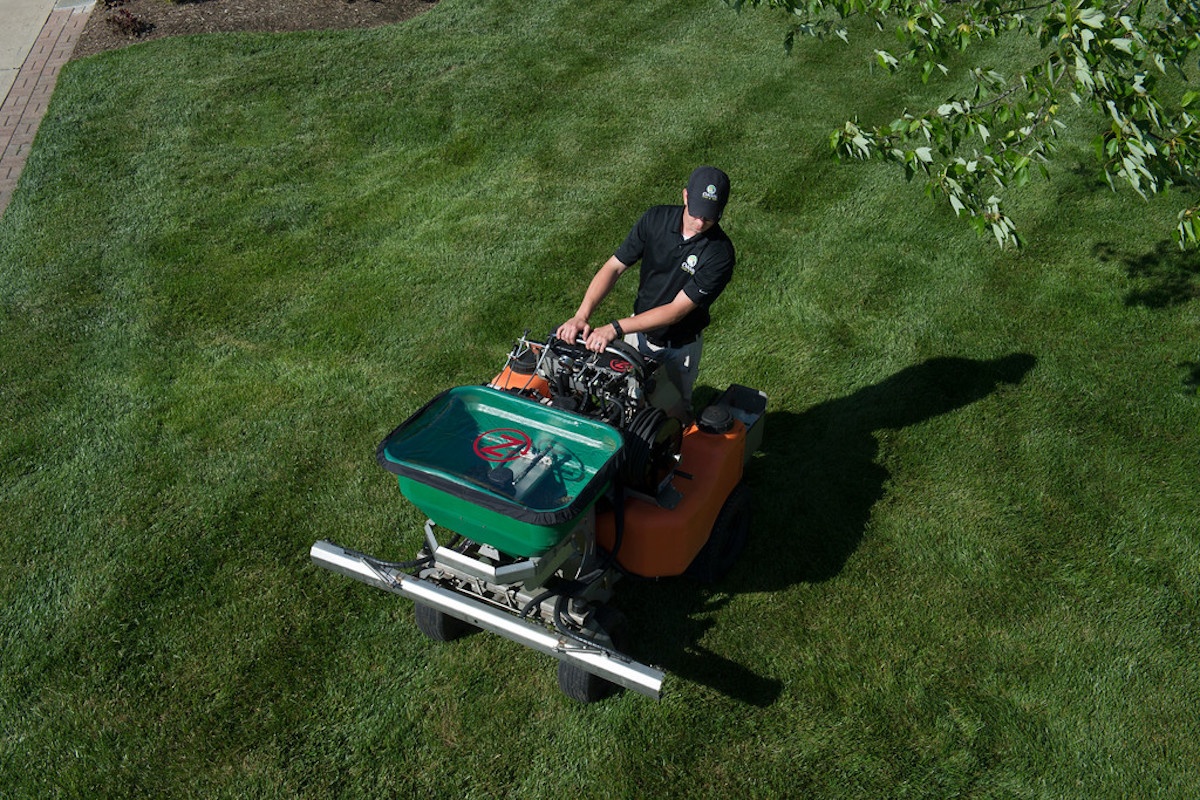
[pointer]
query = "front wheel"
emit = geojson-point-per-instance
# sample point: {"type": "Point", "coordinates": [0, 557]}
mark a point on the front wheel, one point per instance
{"type": "Point", "coordinates": [439, 626]}
{"type": "Point", "coordinates": [606, 627]}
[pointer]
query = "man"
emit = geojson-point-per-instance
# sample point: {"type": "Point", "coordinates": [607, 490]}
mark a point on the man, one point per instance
{"type": "Point", "coordinates": [687, 260]}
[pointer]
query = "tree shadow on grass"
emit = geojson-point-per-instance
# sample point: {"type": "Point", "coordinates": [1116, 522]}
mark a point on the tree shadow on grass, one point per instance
{"type": "Point", "coordinates": [814, 486]}
{"type": "Point", "coordinates": [1163, 277]}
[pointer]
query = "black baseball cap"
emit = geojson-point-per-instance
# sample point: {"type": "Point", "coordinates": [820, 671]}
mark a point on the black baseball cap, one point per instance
{"type": "Point", "coordinates": [708, 192]}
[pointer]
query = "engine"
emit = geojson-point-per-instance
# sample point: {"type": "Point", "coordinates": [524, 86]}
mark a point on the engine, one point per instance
{"type": "Point", "coordinates": [620, 386]}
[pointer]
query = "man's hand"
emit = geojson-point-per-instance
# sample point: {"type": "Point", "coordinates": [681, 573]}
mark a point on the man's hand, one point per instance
{"type": "Point", "coordinates": [602, 282]}
{"type": "Point", "coordinates": [601, 338]}
{"type": "Point", "coordinates": [573, 329]}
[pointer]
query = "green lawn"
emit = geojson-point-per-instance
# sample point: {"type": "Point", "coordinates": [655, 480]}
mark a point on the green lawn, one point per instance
{"type": "Point", "coordinates": [234, 263]}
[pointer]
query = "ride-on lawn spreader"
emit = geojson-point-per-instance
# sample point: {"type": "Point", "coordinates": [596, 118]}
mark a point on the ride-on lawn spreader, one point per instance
{"type": "Point", "coordinates": [568, 470]}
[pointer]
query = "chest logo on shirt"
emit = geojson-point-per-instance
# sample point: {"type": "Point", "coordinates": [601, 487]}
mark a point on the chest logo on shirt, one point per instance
{"type": "Point", "coordinates": [689, 265]}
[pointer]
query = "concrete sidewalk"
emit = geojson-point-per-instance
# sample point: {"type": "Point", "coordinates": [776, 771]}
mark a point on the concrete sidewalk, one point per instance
{"type": "Point", "coordinates": [36, 40]}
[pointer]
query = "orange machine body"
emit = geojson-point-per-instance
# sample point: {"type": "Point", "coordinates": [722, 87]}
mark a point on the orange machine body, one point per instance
{"type": "Point", "coordinates": [660, 542]}
{"type": "Point", "coordinates": [510, 378]}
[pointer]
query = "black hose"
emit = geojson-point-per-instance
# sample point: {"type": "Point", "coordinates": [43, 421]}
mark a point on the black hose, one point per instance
{"type": "Point", "coordinates": [615, 412]}
{"type": "Point", "coordinates": [537, 601]}
{"type": "Point", "coordinates": [640, 439]}
{"type": "Point", "coordinates": [561, 627]}
{"type": "Point", "coordinates": [401, 565]}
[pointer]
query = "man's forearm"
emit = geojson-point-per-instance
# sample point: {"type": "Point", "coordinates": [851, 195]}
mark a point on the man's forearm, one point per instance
{"type": "Point", "coordinates": [658, 317]}
{"type": "Point", "coordinates": [602, 283]}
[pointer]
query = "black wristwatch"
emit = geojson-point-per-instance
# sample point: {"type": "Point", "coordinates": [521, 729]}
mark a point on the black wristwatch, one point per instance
{"type": "Point", "coordinates": [617, 327]}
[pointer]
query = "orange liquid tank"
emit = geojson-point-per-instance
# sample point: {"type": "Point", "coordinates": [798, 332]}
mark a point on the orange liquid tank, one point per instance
{"type": "Point", "coordinates": [660, 542]}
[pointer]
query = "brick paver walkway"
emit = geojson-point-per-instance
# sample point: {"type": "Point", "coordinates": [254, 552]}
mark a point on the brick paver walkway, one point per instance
{"type": "Point", "coordinates": [29, 96]}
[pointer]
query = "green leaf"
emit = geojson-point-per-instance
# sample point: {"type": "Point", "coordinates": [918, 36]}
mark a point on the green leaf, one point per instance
{"type": "Point", "coordinates": [1000, 232]}
{"type": "Point", "coordinates": [1092, 17]}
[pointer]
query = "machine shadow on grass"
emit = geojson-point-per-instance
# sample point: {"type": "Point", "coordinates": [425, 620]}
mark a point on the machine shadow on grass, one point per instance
{"type": "Point", "coordinates": [814, 485]}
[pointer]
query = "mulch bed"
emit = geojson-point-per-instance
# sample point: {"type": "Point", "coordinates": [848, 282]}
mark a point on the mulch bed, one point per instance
{"type": "Point", "coordinates": [118, 23]}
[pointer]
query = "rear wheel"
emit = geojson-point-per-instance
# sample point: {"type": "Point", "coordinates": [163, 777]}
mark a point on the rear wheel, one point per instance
{"type": "Point", "coordinates": [439, 626]}
{"type": "Point", "coordinates": [606, 627]}
{"type": "Point", "coordinates": [727, 540]}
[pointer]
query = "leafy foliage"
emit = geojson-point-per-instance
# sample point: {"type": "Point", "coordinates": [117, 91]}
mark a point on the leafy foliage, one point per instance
{"type": "Point", "coordinates": [1126, 59]}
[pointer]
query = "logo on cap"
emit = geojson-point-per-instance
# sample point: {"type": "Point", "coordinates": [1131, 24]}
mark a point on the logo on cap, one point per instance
{"type": "Point", "coordinates": [710, 192]}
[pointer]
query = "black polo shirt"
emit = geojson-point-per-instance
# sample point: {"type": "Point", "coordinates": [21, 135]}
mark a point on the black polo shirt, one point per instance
{"type": "Point", "coordinates": [700, 266]}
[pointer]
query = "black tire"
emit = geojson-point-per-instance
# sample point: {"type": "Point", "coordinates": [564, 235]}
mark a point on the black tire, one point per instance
{"type": "Point", "coordinates": [439, 626]}
{"type": "Point", "coordinates": [606, 627]}
{"type": "Point", "coordinates": [727, 540]}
